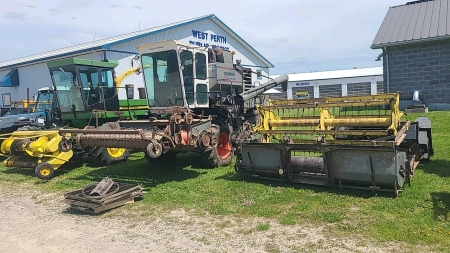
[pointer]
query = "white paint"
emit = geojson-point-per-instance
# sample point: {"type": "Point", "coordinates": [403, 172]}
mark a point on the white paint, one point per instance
{"type": "Point", "coordinates": [343, 77]}
{"type": "Point", "coordinates": [184, 34]}
{"type": "Point", "coordinates": [322, 75]}
{"type": "Point", "coordinates": [37, 75]}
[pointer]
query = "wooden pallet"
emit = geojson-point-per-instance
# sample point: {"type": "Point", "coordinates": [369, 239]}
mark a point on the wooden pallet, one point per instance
{"type": "Point", "coordinates": [82, 200]}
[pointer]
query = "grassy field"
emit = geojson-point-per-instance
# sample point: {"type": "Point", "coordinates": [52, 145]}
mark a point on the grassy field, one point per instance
{"type": "Point", "coordinates": [418, 216]}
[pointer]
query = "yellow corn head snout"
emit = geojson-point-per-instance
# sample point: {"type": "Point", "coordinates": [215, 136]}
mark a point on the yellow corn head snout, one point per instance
{"type": "Point", "coordinates": [29, 149]}
{"type": "Point", "coordinates": [374, 115]}
{"type": "Point", "coordinates": [32, 141]}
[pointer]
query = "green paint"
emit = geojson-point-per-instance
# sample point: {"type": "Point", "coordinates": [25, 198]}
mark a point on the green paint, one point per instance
{"type": "Point", "coordinates": [133, 102]}
{"type": "Point", "coordinates": [83, 62]}
{"type": "Point", "coordinates": [89, 119]}
{"type": "Point", "coordinates": [130, 109]}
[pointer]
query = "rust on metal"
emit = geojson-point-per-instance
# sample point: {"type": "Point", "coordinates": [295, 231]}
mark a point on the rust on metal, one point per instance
{"type": "Point", "coordinates": [96, 131]}
{"type": "Point", "coordinates": [102, 188]}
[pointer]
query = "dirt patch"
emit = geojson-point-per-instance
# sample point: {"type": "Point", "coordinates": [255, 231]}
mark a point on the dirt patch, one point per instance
{"type": "Point", "coordinates": [35, 222]}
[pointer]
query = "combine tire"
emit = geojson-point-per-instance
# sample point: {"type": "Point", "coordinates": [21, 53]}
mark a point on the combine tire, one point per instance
{"type": "Point", "coordinates": [107, 156]}
{"type": "Point", "coordinates": [44, 171]}
{"type": "Point", "coordinates": [222, 153]}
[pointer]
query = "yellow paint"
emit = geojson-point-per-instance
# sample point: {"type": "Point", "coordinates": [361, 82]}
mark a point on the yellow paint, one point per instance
{"type": "Point", "coordinates": [124, 108]}
{"type": "Point", "coordinates": [44, 145]}
{"type": "Point", "coordinates": [44, 171]}
{"type": "Point", "coordinates": [116, 152]}
{"type": "Point", "coordinates": [118, 80]}
{"type": "Point", "coordinates": [270, 120]}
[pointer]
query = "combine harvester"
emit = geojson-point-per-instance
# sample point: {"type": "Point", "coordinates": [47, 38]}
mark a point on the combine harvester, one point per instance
{"type": "Point", "coordinates": [354, 141]}
{"type": "Point", "coordinates": [84, 94]}
{"type": "Point", "coordinates": [199, 101]}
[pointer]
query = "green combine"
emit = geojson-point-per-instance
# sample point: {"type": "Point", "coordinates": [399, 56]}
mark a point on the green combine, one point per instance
{"type": "Point", "coordinates": [85, 95]}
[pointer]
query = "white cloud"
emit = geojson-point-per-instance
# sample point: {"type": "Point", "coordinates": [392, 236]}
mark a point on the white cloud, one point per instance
{"type": "Point", "coordinates": [295, 35]}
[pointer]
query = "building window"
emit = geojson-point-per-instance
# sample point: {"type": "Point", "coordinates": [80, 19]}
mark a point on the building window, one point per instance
{"type": "Point", "coordinates": [380, 87]}
{"type": "Point", "coordinates": [6, 99]}
{"type": "Point", "coordinates": [357, 89]}
{"type": "Point", "coordinates": [333, 90]}
{"type": "Point", "coordinates": [258, 74]}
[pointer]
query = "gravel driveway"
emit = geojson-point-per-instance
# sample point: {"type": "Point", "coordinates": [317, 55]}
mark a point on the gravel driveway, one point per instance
{"type": "Point", "coordinates": [35, 222]}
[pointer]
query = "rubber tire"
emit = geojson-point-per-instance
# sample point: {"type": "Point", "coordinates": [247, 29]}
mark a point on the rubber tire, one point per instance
{"type": "Point", "coordinates": [103, 158]}
{"type": "Point", "coordinates": [38, 170]}
{"type": "Point", "coordinates": [100, 154]}
{"type": "Point", "coordinates": [210, 157]}
{"type": "Point", "coordinates": [163, 158]}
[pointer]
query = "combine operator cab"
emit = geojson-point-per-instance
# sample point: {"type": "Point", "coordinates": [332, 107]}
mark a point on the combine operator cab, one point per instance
{"type": "Point", "coordinates": [84, 86]}
{"type": "Point", "coordinates": [184, 75]}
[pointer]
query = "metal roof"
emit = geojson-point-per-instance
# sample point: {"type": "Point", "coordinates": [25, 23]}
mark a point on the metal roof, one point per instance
{"type": "Point", "coordinates": [335, 74]}
{"type": "Point", "coordinates": [417, 21]}
{"type": "Point", "coordinates": [108, 42]}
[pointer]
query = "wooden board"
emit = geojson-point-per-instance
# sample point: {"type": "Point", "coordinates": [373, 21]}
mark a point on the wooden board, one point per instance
{"type": "Point", "coordinates": [102, 208]}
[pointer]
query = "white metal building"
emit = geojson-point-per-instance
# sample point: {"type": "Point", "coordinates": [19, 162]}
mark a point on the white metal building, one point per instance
{"type": "Point", "coordinates": [209, 31]}
{"type": "Point", "coordinates": [366, 81]}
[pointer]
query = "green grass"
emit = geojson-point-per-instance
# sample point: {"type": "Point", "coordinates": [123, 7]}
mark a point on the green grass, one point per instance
{"type": "Point", "coordinates": [418, 216]}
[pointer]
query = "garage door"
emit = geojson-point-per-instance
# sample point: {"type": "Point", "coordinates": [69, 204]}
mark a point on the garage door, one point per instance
{"type": "Point", "coordinates": [380, 87]}
{"type": "Point", "coordinates": [334, 90]}
{"type": "Point", "coordinates": [309, 89]}
{"type": "Point", "coordinates": [357, 89]}
{"type": "Point", "coordinates": [278, 96]}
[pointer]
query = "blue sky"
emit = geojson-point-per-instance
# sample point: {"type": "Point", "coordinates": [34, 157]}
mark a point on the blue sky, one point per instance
{"type": "Point", "coordinates": [295, 35]}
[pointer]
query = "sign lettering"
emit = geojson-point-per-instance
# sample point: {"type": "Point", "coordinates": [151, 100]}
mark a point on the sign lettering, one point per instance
{"type": "Point", "coordinates": [229, 73]}
{"type": "Point", "coordinates": [213, 37]}
{"type": "Point", "coordinates": [302, 84]}
{"type": "Point", "coordinates": [208, 38]}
